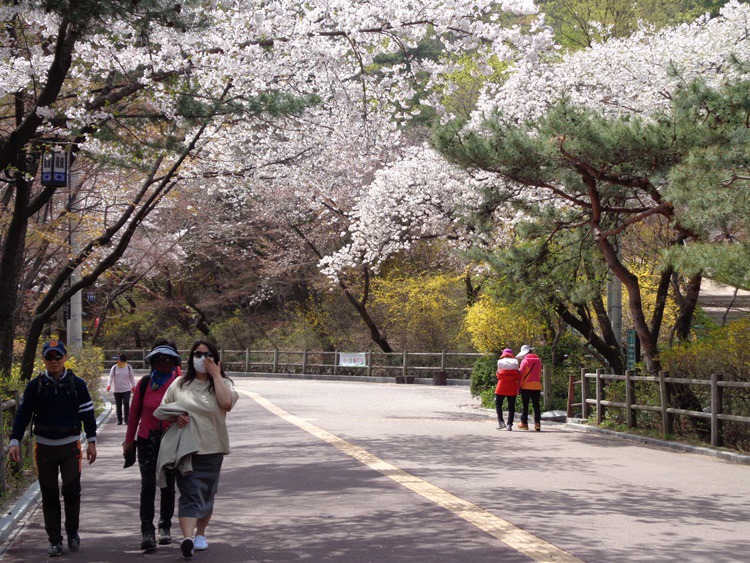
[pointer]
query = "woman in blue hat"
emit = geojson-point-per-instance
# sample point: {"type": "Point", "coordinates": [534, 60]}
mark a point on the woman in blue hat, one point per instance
{"type": "Point", "coordinates": [144, 435]}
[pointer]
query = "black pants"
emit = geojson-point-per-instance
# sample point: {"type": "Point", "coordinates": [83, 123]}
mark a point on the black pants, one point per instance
{"type": "Point", "coordinates": [147, 454]}
{"type": "Point", "coordinates": [511, 408]}
{"type": "Point", "coordinates": [122, 401]}
{"type": "Point", "coordinates": [66, 460]}
{"type": "Point", "coordinates": [533, 395]}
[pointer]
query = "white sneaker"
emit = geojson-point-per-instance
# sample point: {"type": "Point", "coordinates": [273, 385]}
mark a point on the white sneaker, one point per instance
{"type": "Point", "coordinates": [200, 543]}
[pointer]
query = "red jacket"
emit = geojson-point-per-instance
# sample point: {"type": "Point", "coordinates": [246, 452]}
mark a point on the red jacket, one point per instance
{"type": "Point", "coordinates": [508, 377]}
{"type": "Point", "coordinates": [139, 426]}
{"type": "Point", "coordinates": [531, 372]}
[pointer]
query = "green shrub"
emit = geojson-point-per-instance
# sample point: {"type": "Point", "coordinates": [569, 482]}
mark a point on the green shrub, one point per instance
{"type": "Point", "coordinates": [483, 380]}
{"type": "Point", "coordinates": [87, 363]}
{"type": "Point", "coordinates": [726, 352]}
{"type": "Point", "coordinates": [11, 382]}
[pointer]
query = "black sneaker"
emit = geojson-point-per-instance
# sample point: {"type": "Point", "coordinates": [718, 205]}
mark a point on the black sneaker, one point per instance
{"type": "Point", "coordinates": [164, 537]}
{"type": "Point", "coordinates": [149, 541]}
{"type": "Point", "coordinates": [186, 546]}
{"type": "Point", "coordinates": [55, 549]}
{"type": "Point", "coordinates": [500, 425]}
{"type": "Point", "coordinates": [74, 543]}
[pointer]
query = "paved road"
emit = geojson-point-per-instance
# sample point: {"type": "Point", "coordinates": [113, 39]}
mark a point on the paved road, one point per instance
{"type": "Point", "coordinates": [334, 471]}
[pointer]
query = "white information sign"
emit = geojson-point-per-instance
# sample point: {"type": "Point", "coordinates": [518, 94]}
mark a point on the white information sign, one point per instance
{"type": "Point", "coordinates": [353, 359]}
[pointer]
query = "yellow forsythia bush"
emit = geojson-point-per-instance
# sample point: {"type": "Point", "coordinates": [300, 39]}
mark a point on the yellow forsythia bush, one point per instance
{"type": "Point", "coordinates": [494, 325]}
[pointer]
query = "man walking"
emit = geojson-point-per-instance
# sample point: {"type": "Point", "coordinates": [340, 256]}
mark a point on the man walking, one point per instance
{"type": "Point", "coordinates": [58, 402]}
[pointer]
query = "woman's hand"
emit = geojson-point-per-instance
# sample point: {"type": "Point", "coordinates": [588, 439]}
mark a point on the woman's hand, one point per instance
{"type": "Point", "coordinates": [182, 420]}
{"type": "Point", "coordinates": [127, 446]}
{"type": "Point", "coordinates": [213, 369]}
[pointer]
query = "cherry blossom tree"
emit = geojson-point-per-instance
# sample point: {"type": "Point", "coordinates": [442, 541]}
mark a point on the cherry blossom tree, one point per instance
{"type": "Point", "coordinates": [194, 90]}
{"type": "Point", "coordinates": [592, 141]}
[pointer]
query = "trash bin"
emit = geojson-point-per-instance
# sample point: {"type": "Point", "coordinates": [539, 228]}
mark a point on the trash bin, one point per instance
{"type": "Point", "coordinates": [439, 378]}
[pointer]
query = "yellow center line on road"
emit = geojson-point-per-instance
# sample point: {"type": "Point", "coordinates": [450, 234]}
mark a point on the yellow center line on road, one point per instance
{"type": "Point", "coordinates": [514, 537]}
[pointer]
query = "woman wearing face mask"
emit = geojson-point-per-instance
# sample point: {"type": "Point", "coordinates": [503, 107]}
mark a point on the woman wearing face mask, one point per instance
{"type": "Point", "coordinates": [206, 394]}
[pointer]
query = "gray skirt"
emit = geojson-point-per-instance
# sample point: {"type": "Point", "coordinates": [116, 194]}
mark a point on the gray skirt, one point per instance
{"type": "Point", "coordinates": [198, 489]}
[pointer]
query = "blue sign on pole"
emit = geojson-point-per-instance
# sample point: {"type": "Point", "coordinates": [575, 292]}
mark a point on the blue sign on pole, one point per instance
{"type": "Point", "coordinates": [55, 168]}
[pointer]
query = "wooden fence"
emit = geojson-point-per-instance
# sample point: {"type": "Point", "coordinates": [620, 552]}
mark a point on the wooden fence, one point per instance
{"type": "Point", "coordinates": [456, 365]}
{"type": "Point", "coordinates": [714, 413]}
{"type": "Point", "coordinates": [7, 415]}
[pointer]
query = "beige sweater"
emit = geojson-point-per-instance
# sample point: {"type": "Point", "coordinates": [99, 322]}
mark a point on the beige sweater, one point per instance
{"type": "Point", "coordinates": [207, 418]}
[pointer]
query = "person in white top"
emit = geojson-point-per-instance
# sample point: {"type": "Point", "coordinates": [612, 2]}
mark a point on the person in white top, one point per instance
{"type": "Point", "coordinates": [207, 395]}
{"type": "Point", "coordinates": [121, 375]}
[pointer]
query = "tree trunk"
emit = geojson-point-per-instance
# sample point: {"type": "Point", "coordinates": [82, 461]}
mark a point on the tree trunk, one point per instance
{"type": "Point", "coordinates": [11, 259]}
{"type": "Point", "coordinates": [609, 350]}
{"type": "Point", "coordinates": [359, 306]}
{"type": "Point", "coordinates": [688, 303]}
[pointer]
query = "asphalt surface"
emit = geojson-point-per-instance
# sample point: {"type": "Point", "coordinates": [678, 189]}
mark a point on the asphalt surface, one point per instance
{"type": "Point", "coordinates": [286, 495]}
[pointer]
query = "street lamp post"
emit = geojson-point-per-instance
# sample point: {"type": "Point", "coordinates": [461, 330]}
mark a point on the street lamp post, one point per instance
{"type": "Point", "coordinates": [75, 323]}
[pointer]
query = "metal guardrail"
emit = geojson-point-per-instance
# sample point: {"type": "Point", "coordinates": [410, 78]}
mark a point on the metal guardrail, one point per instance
{"type": "Point", "coordinates": [665, 387]}
{"type": "Point", "coordinates": [396, 364]}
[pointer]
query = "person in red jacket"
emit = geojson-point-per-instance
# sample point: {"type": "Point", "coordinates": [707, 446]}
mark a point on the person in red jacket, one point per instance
{"type": "Point", "coordinates": [508, 383]}
{"type": "Point", "coordinates": [144, 436]}
{"type": "Point", "coordinates": [531, 386]}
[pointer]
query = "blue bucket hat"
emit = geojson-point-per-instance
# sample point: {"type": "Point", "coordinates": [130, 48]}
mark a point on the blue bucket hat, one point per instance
{"type": "Point", "coordinates": [164, 351]}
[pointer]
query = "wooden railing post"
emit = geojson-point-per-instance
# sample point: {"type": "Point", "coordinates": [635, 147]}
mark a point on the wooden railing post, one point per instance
{"type": "Point", "coordinates": [585, 408]}
{"type": "Point", "coordinates": [667, 419]}
{"type": "Point", "coordinates": [442, 360]}
{"type": "Point", "coordinates": [247, 360]}
{"type": "Point", "coordinates": [599, 397]}
{"type": "Point", "coordinates": [547, 387]}
{"type": "Point", "coordinates": [571, 394]}
{"type": "Point", "coordinates": [335, 362]}
{"type": "Point", "coordinates": [304, 361]}
{"type": "Point", "coordinates": [716, 426]}
{"type": "Point", "coordinates": [275, 359]}
{"type": "Point", "coordinates": [369, 363]}
{"type": "Point", "coordinates": [403, 367]}
{"type": "Point", "coordinates": [630, 399]}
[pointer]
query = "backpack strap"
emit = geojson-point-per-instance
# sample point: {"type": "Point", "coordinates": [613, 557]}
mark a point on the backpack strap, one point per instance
{"type": "Point", "coordinates": [73, 390]}
{"type": "Point", "coordinates": [142, 388]}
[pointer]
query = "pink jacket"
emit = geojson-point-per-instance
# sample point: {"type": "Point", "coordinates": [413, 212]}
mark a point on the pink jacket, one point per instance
{"type": "Point", "coordinates": [531, 372]}
{"type": "Point", "coordinates": [146, 421]}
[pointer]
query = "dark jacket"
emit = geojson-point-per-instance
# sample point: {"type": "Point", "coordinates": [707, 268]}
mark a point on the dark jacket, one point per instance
{"type": "Point", "coordinates": [58, 409]}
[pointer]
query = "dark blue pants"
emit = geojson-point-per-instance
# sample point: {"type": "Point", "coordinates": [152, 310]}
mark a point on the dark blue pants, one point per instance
{"type": "Point", "coordinates": [122, 403]}
{"type": "Point", "coordinates": [147, 454]}
{"type": "Point", "coordinates": [64, 460]}
{"type": "Point", "coordinates": [533, 396]}
{"type": "Point", "coordinates": [511, 408]}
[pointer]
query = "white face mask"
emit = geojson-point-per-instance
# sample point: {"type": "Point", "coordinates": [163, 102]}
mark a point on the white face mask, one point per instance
{"type": "Point", "coordinates": [198, 365]}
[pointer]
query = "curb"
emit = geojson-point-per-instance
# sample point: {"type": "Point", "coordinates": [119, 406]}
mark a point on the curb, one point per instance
{"type": "Point", "coordinates": [30, 499]}
{"type": "Point", "coordinates": [664, 444]}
